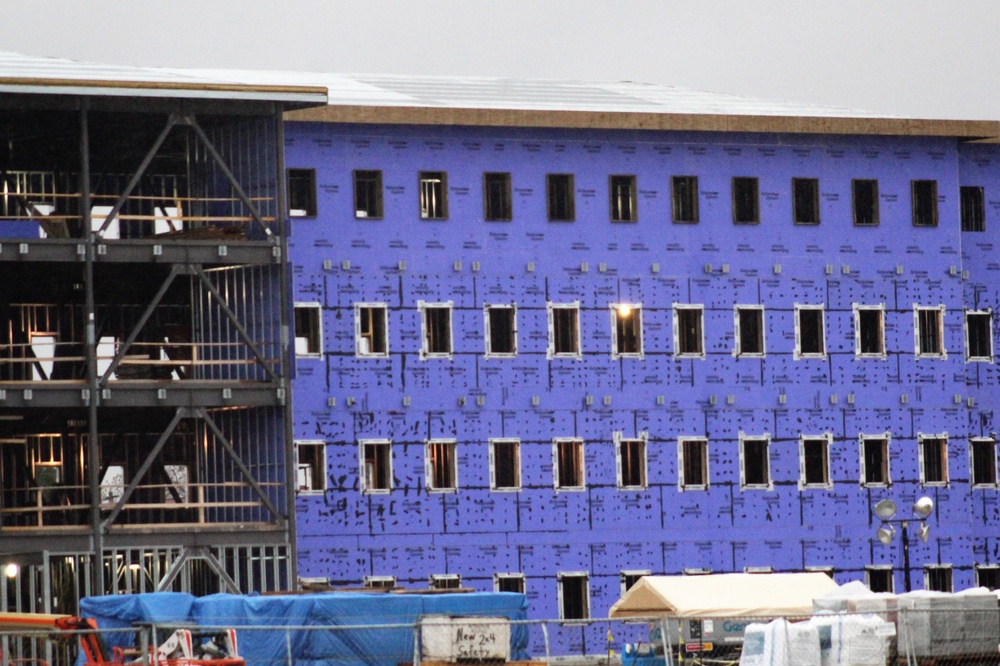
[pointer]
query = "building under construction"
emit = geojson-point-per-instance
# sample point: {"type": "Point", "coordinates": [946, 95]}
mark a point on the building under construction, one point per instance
{"type": "Point", "coordinates": [144, 394]}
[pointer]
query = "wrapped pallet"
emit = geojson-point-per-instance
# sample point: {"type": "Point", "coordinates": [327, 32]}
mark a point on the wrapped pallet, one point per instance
{"type": "Point", "coordinates": [780, 643]}
{"type": "Point", "coordinates": [853, 640]}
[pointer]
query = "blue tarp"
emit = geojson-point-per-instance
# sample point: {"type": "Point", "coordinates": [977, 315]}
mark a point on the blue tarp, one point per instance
{"type": "Point", "coordinates": [306, 645]}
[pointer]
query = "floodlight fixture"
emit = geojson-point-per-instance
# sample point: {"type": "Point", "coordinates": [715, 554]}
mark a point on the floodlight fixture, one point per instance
{"type": "Point", "coordinates": [924, 531]}
{"type": "Point", "coordinates": [885, 534]}
{"type": "Point", "coordinates": [886, 509]}
{"type": "Point", "coordinates": [922, 507]}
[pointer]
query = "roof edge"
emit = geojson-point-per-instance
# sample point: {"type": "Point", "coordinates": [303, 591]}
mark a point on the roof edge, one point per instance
{"type": "Point", "coordinates": [164, 85]}
{"type": "Point", "coordinates": [419, 115]}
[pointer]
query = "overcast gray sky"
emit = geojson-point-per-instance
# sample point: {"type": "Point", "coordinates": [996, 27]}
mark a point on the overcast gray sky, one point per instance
{"type": "Point", "coordinates": [917, 58]}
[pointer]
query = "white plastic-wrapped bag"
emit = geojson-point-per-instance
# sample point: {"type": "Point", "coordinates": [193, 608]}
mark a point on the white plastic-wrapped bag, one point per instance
{"type": "Point", "coordinates": [780, 643]}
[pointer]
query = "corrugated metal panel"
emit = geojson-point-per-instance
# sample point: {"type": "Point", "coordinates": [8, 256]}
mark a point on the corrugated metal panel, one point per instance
{"type": "Point", "coordinates": [33, 74]}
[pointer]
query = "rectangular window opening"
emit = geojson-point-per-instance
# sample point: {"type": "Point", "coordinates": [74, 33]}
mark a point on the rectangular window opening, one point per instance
{"type": "Point", "coordinates": [178, 480]}
{"type": "Point", "coordinates": [810, 338]}
{"type": "Point", "coordinates": [684, 199]}
{"type": "Point", "coordinates": [436, 320]}
{"type": "Point", "coordinates": [627, 321]}
{"type": "Point", "coordinates": [933, 461]}
{"type": "Point", "coordinates": [302, 192]}
{"type": "Point", "coordinates": [865, 200]}
{"type": "Point", "coordinates": [433, 195]}
{"type": "Point", "coordinates": [569, 472]}
{"type": "Point", "coordinates": [501, 330]}
{"type": "Point", "coordinates": [805, 200]}
{"type": "Point", "coordinates": [372, 337]}
{"type": "Point", "coordinates": [973, 209]}
{"type": "Point", "coordinates": [879, 579]}
{"type": "Point", "coordinates": [623, 199]}
{"type": "Point", "coordinates": [689, 338]}
{"type": "Point", "coordinates": [559, 193]}
{"type": "Point", "coordinates": [874, 461]}
{"type": "Point", "coordinates": [749, 330]}
{"type": "Point", "coordinates": [630, 578]}
{"type": "Point", "coordinates": [564, 330]}
{"type": "Point", "coordinates": [983, 463]}
{"type": "Point", "coordinates": [979, 336]}
{"type": "Point", "coordinates": [380, 582]}
{"type": "Point", "coordinates": [574, 596]}
{"type": "Point", "coordinates": [815, 462]}
{"type": "Point", "coordinates": [693, 463]}
{"type": "Point", "coordinates": [938, 578]}
{"type": "Point", "coordinates": [308, 330]}
{"type": "Point", "coordinates": [442, 465]}
{"type": "Point", "coordinates": [509, 582]}
{"type": "Point", "coordinates": [631, 463]}
{"type": "Point", "coordinates": [869, 325]}
{"type": "Point", "coordinates": [311, 470]}
{"type": "Point", "coordinates": [988, 576]}
{"type": "Point", "coordinates": [497, 197]}
{"type": "Point", "coordinates": [746, 205]}
{"type": "Point", "coordinates": [368, 194]}
{"type": "Point", "coordinates": [505, 459]}
{"type": "Point", "coordinates": [930, 332]}
{"type": "Point", "coordinates": [376, 466]}
{"type": "Point", "coordinates": [445, 582]}
{"type": "Point", "coordinates": [925, 202]}
{"type": "Point", "coordinates": [755, 462]}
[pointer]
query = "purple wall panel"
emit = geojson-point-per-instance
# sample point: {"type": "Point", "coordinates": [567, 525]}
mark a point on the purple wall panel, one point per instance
{"type": "Point", "coordinates": [411, 533]}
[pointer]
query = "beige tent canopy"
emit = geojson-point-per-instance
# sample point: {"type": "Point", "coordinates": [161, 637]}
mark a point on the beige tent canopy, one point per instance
{"type": "Point", "coordinates": [724, 595]}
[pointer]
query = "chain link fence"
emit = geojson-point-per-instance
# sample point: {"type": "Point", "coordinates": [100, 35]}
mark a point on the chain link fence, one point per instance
{"type": "Point", "coordinates": [912, 637]}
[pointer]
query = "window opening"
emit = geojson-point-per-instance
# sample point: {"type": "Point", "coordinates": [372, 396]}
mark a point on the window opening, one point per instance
{"type": "Point", "coordinates": [933, 456]}
{"type": "Point", "coordinates": [983, 462]}
{"type": "Point", "coordinates": [688, 331]}
{"type": "Point", "coordinates": [368, 194]}
{"type": "Point", "coordinates": [445, 582]}
{"type": "Point", "coordinates": [929, 331]}
{"type": "Point", "coordinates": [623, 199]}
{"type": "Point", "coordinates": [810, 338]}
{"type": "Point", "coordinates": [749, 326]}
{"type": "Point", "coordinates": [979, 336]}
{"type": "Point", "coordinates": [112, 486]}
{"type": "Point", "coordinates": [496, 197]}
{"type": "Point", "coordinates": [923, 194]}
{"type": "Point", "coordinates": [380, 582]}
{"type": "Point", "coordinates": [442, 465]}
{"type": "Point", "coordinates": [631, 462]}
{"type": "Point", "coordinates": [988, 576]}
{"type": "Point", "coordinates": [973, 209]}
{"type": "Point", "coordinates": [559, 191]}
{"type": "Point", "coordinates": [311, 470]}
{"type": "Point", "coordinates": [308, 330]}
{"type": "Point", "coordinates": [436, 321]}
{"type": "Point", "coordinates": [865, 201]}
{"type": "Point", "coordinates": [821, 569]}
{"type": "Point", "coordinates": [805, 200]}
{"type": "Point", "coordinates": [564, 329]}
{"type": "Point", "coordinates": [630, 578]}
{"type": "Point", "coordinates": [505, 464]}
{"type": "Point", "coordinates": [301, 192]}
{"type": "Point", "coordinates": [869, 331]}
{"type": "Point", "coordinates": [501, 330]}
{"type": "Point", "coordinates": [433, 195]}
{"type": "Point", "coordinates": [371, 332]}
{"type": "Point", "coordinates": [684, 199]}
{"type": "Point", "coordinates": [755, 463]}
{"type": "Point", "coordinates": [376, 466]}
{"type": "Point", "coordinates": [43, 348]}
{"type": "Point", "coordinates": [626, 322]}
{"type": "Point", "coordinates": [879, 578]}
{"type": "Point", "coordinates": [569, 472]}
{"type": "Point", "coordinates": [814, 457]}
{"type": "Point", "coordinates": [937, 577]}
{"type": "Point", "coordinates": [693, 467]}
{"type": "Point", "coordinates": [746, 207]}
{"type": "Point", "coordinates": [178, 483]}
{"type": "Point", "coordinates": [509, 582]}
{"type": "Point", "coordinates": [574, 596]}
{"type": "Point", "coordinates": [874, 461]}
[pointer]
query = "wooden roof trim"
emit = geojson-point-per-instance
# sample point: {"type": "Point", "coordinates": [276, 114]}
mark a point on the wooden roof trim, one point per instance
{"type": "Point", "coordinates": [422, 115]}
{"type": "Point", "coordinates": [161, 85]}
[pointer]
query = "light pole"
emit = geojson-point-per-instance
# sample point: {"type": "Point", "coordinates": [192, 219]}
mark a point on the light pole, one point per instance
{"type": "Point", "coordinates": [885, 511]}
